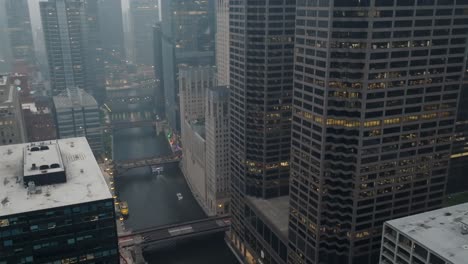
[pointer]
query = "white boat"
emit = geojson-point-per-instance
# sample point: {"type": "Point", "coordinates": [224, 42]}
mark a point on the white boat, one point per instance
{"type": "Point", "coordinates": [179, 196]}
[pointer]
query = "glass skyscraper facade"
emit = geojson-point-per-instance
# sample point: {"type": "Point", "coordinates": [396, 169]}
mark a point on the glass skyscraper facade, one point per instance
{"type": "Point", "coordinates": [376, 86]}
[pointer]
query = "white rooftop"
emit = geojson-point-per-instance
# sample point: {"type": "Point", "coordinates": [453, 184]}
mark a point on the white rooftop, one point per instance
{"type": "Point", "coordinates": [439, 230]}
{"type": "Point", "coordinates": [85, 182]}
{"type": "Point", "coordinates": [50, 154]}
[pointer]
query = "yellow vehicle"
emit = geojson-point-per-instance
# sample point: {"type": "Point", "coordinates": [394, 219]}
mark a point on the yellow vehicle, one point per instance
{"type": "Point", "coordinates": [123, 208]}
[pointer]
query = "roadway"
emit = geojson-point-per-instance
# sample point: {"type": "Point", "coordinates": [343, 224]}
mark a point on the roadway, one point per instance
{"type": "Point", "coordinates": [175, 232]}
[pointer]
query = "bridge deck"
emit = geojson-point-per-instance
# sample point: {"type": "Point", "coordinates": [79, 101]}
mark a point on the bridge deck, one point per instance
{"type": "Point", "coordinates": [176, 232]}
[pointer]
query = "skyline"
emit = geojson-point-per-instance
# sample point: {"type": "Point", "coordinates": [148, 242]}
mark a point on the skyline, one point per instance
{"type": "Point", "coordinates": [284, 131]}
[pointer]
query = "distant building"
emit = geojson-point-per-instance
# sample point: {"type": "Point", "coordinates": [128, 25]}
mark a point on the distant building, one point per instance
{"type": "Point", "coordinates": [435, 237]}
{"type": "Point", "coordinates": [143, 16]}
{"type": "Point", "coordinates": [111, 27]}
{"type": "Point", "coordinates": [222, 41]}
{"type": "Point", "coordinates": [217, 149]}
{"type": "Point", "coordinates": [78, 115]}
{"type": "Point", "coordinates": [12, 129]}
{"type": "Point", "coordinates": [55, 205]}
{"type": "Point", "coordinates": [158, 69]}
{"type": "Point", "coordinates": [194, 83]}
{"type": "Point", "coordinates": [19, 44]}
{"type": "Point", "coordinates": [39, 121]}
{"type": "Point", "coordinates": [74, 56]}
{"type": "Point", "coordinates": [187, 36]}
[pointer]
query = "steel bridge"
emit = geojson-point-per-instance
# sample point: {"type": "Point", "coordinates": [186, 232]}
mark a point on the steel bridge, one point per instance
{"type": "Point", "coordinates": [129, 124]}
{"type": "Point", "coordinates": [125, 165]}
{"type": "Point", "coordinates": [175, 232]}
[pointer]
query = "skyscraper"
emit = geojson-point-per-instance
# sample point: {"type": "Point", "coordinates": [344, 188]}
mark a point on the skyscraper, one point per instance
{"type": "Point", "coordinates": [187, 35]}
{"type": "Point", "coordinates": [143, 16]}
{"type": "Point", "coordinates": [20, 47]}
{"type": "Point", "coordinates": [222, 41]}
{"type": "Point", "coordinates": [261, 67]}
{"type": "Point", "coordinates": [376, 85]}
{"type": "Point", "coordinates": [71, 35]}
{"type": "Point", "coordinates": [459, 160]}
{"type": "Point", "coordinates": [111, 26]}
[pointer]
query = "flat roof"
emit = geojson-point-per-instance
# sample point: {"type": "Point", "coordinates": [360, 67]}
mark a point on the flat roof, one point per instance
{"type": "Point", "coordinates": [439, 231]}
{"type": "Point", "coordinates": [78, 97]}
{"type": "Point", "coordinates": [85, 182]}
{"type": "Point", "coordinates": [39, 154]}
{"type": "Point", "coordinates": [276, 210]}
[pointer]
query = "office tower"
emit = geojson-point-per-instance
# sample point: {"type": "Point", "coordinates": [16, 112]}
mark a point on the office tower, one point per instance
{"type": "Point", "coordinates": [143, 14]}
{"type": "Point", "coordinates": [375, 102]}
{"type": "Point", "coordinates": [438, 236]}
{"type": "Point", "coordinates": [187, 35]}
{"type": "Point", "coordinates": [12, 130]}
{"type": "Point", "coordinates": [261, 66]}
{"type": "Point", "coordinates": [459, 159]}
{"type": "Point", "coordinates": [222, 41]}
{"type": "Point", "coordinates": [18, 45]}
{"type": "Point", "coordinates": [111, 27]}
{"type": "Point", "coordinates": [217, 149]}
{"type": "Point", "coordinates": [194, 83]}
{"type": "Point", "coordinates": [72, 41]}
{"type": "Point", "coordinates": [56, 206]}
{"type": "Point", "coordinates": [158, 69]}
{"type": "Point", "coordinates": [77, 114]}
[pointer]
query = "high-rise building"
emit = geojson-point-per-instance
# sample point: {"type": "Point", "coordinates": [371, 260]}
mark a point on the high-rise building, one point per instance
{"type": "Point", "coordinates": [78, 115]}
{"type": "Point", "coordinates": [261, 67]}
{"type": "Point", "coordinates": [459, 159]}
{"type": "Point", "coordinates": [187, 36]}
{"type": "Point", "coordinates": [71, 35]}
{"type": "Point", "coordinates": [222, 41]}
{"type": "Point", "coordinates": [217, 149]}
{"type": "Point", "coordinates": [143, 16]}
{"type": "Point", "coordinates": [376, 85]}
{"type": "Point", "coordinates": [19, 40]}
{"type": "Point", "coordinates": [435, 237]}
{"type": "Point", "coordinates": [12, 129]}
{"type": "Point", "coordinates": [111, 27]}
{"type": "Point", "coordinates": [158, 69]}
{"type": "Point", "coordinates": [55, 205]}
{"type": "Point", "coordinates": [194, 83]}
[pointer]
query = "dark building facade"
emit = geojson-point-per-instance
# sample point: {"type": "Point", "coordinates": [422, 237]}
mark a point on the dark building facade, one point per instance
{"type": "Point", "coordinates": [457, 181]}
{"type": "Point", "coordinates": [143, 14]}
{"type": "Point", "coordinates": [71, 32]}
{"type": "Point", "coordinates": [158, 69]}
{"type": "Point", "coordinates": [261, 68]}
{"type": "Point", "coordinates": [111, 27]}
{"type": "Point", "coordinates": [18, 26]}
{"type": "Point", "coordinates": [376, 88]}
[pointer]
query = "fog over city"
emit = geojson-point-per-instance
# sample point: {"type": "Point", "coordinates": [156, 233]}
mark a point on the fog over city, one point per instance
{"type": "Point", "coordinates": [234, 131]}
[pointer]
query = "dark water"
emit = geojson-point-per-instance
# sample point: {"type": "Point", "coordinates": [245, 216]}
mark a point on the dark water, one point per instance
{"type": "Point", "coordinates": [153, 202]}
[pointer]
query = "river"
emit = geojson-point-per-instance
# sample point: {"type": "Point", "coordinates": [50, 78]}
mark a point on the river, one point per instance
{"type": "Point", "coordinates": [153, 202]}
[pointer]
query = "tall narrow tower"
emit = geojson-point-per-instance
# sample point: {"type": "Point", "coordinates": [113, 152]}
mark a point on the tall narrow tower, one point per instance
{"type": "Point", "coordinates": [72, 40]}
{"type": "Point", "coordinates": [376, 85]}
{"type": "Point", "coordinates": [261, 67]}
